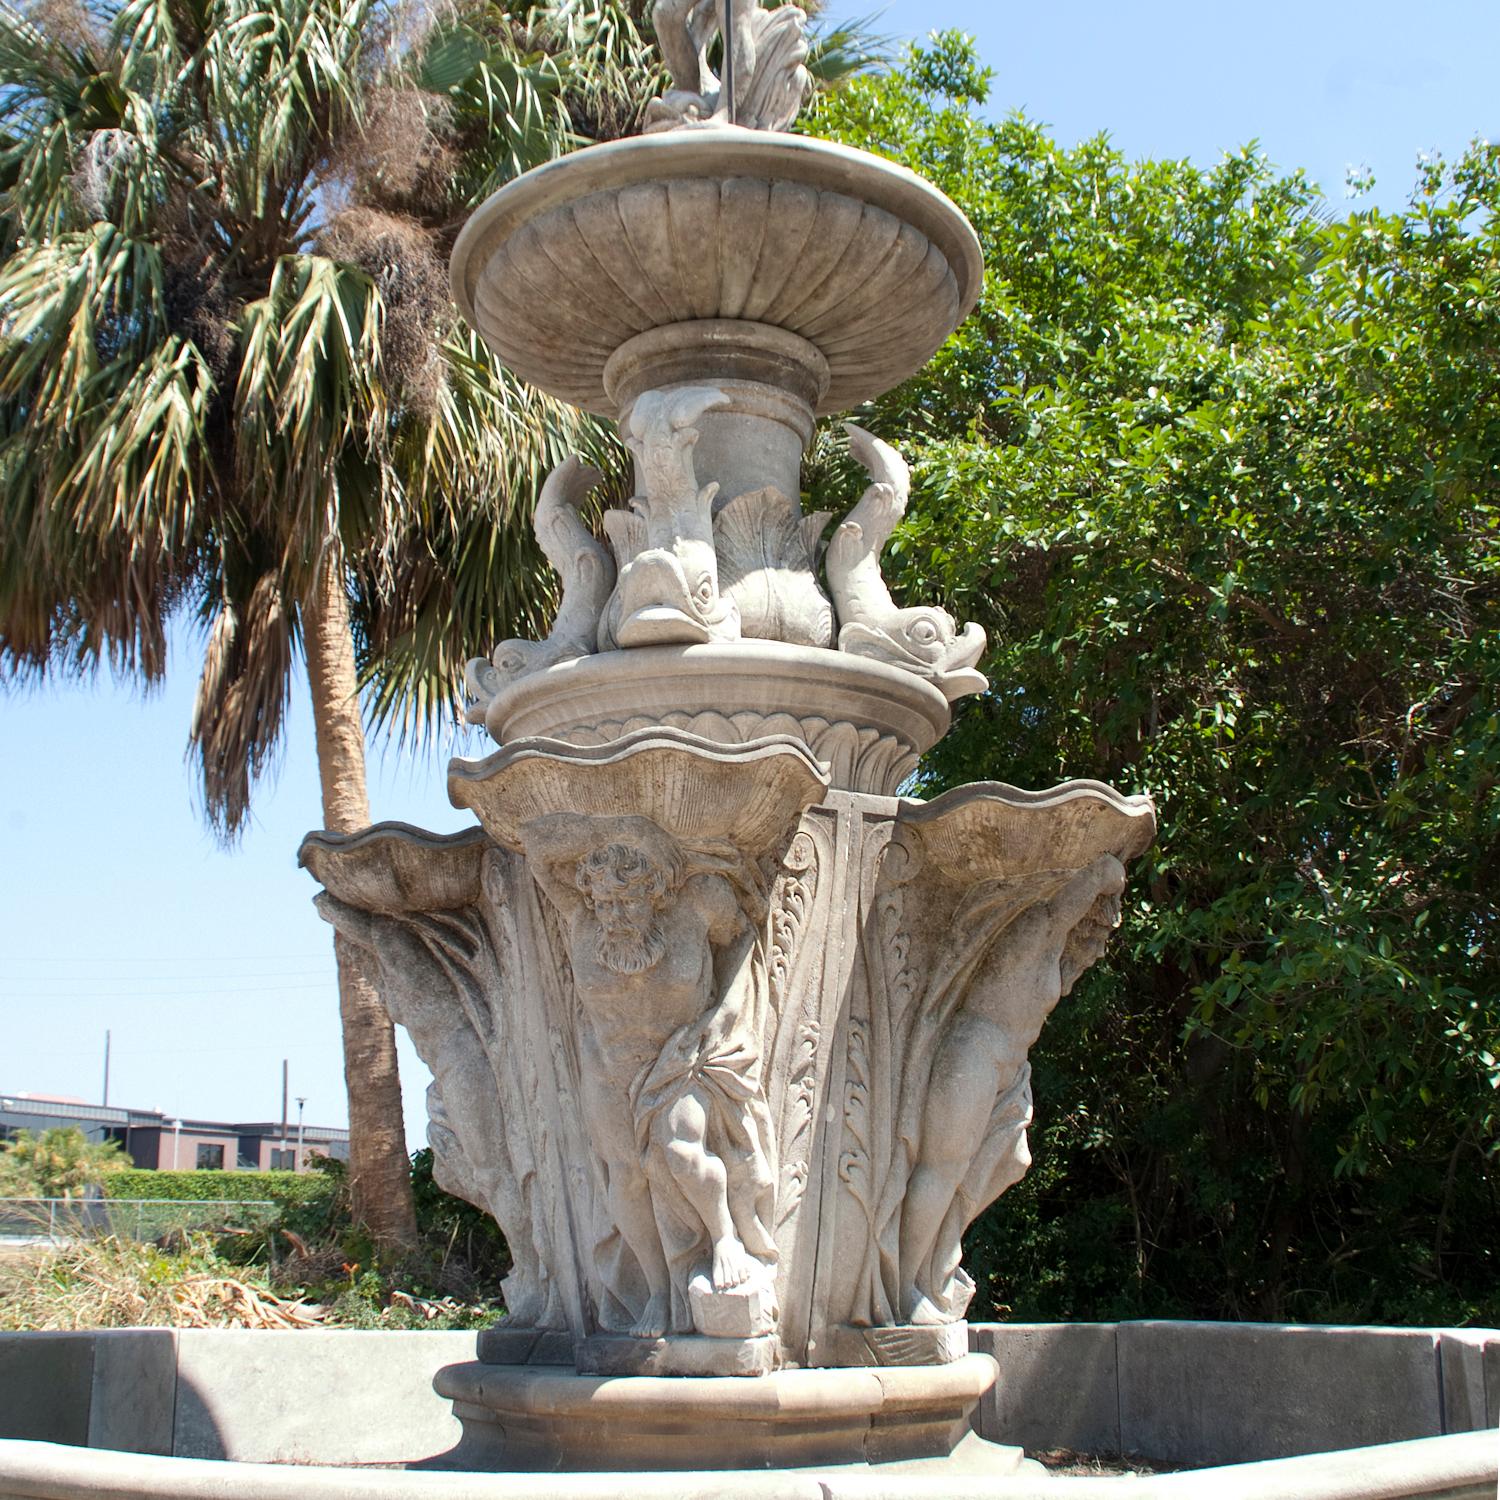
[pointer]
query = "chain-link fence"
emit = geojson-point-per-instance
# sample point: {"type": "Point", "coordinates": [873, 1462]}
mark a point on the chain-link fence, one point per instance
{"type": "Point", "coordinates": [126, 1218]}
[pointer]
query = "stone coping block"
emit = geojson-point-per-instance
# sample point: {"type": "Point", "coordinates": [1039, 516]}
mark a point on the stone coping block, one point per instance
{"type": "Point", "coordinates": [1058, 1386]}
{"type": "Point", "coordinates": [1470, 1359]}
{"type": "Point", "coordinates": [110, 1388]}
{"type": "Point", "coordinates": [1260, 1392]}
{"type": "Point", "coordinates": [1461, 1467]}
{"type": "Point", "coordinates": [340, 1396]}
{"type": "Point", "coordinates": [1199, 1392]}
{"type": "Point", "coordinates": [45, 1381]}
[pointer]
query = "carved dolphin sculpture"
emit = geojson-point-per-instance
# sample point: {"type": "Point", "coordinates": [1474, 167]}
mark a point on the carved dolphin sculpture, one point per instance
{"type": "Point", "coordinates": [587, 572]}
{"type": "Point", "coordinates": [668, 590]}
{"type": "Point", "coordinates": [924, 639]}
{"type": "Point", "coordinates": [769, 51]}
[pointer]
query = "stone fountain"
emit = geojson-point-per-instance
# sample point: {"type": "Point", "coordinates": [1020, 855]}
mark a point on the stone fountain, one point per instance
{"type": "Point", "coordinates": [729, 1036]}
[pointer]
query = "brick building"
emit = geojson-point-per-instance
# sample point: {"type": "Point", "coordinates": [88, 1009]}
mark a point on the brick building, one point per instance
{"type": "Point", "coordinates": [166, 1143]}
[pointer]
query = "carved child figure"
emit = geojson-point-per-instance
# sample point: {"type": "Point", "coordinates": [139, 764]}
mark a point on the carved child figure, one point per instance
{"type": "Point", "coordinates": [980, 1072]}
{"type": "Point", "coordinates": [665, 974]}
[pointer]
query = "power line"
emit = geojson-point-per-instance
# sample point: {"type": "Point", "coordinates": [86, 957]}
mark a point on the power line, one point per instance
{"type": "Point", "coordinates": [155, 979]}
{"type": "Point", "coordinates": [203, 991]}
{"type": "Point", "coordinates": [243, 958]}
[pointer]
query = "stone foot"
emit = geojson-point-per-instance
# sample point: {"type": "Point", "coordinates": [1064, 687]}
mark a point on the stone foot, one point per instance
{"type": "Point", "coordinates": [652, 1323]}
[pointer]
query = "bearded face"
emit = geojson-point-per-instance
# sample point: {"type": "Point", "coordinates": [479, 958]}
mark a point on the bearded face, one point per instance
{"type": "Point", "coordinates": [625, 891]}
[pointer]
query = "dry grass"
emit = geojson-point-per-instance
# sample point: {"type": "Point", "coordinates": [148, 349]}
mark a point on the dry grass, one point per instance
{"type": "Point", "coordinates": [183, 1281]}
{"type": "Point", "coordinates": [110, 1283]}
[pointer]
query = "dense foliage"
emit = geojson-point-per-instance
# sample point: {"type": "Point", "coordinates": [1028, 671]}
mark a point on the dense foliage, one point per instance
{"type": "Point", "coordinates": [222, 1187]}
{"type": "Point", "coordinates": [1218, 473]}
{"type": "Point", "coordinates": [59, 1162]}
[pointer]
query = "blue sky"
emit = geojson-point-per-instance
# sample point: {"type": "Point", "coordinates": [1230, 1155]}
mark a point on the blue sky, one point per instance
{"type": "Point", "coordinates": [118, 911]}
{"type": "Point", "coordinates": [1323, 84]}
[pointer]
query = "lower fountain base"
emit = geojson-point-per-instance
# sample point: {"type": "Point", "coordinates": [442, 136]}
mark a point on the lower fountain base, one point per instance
{"type": "Point", "coordinates": [619, 1354]}
{"type": "Point", "coordinates": [536, 1419]}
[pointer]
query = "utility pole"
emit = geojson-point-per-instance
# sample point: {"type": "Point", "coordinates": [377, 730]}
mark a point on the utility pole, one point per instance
{"type": "Point", "coordinates": [283, 1107]}
{"type": "Point", "coordinates": [297, 1164]}
{"type": "Point", "coordinates": [106, 1069]}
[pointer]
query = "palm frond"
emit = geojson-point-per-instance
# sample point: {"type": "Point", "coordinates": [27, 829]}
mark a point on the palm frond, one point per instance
{"type": "Point", "coordinates": [308, 388]}
{"type": "Point", "coordinates": [241, 700]}
{"type": "Point", "coordinates": [848, 49]}
{"type": "Point", "coordinates": [469, 573]}
{"type": "Point", "coordinates": [227, 352]}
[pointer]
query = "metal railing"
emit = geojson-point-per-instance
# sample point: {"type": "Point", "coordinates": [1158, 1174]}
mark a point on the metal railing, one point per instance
{"type": "Point", "coordinates": [127, 1218]}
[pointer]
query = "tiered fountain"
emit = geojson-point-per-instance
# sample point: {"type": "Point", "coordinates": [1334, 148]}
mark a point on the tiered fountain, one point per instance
{"type": "Point", "coordinates": [729, 1037]}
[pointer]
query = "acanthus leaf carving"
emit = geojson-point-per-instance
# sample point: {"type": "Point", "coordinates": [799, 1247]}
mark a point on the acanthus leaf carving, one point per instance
{"type": "Point", "coordinates": [446, 973]}
{"type": "Point", "coordinates": [973, 940]}
{"type": "Point", "coordinates": [632, 1032]}
{"type": "Point", "coordinates": [797, 1074]}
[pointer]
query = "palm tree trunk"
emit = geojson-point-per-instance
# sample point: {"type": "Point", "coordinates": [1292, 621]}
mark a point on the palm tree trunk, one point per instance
{"type": "Point", "coordinates": [379, 1171]}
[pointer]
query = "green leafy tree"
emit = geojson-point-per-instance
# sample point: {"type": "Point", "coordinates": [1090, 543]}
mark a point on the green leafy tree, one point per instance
{"type": "Point", "coordinates": [60, 1162]}
{"type": "Point", "coordinates": [1217, 472]}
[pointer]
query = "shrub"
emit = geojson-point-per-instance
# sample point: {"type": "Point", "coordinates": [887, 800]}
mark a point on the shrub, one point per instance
{"type": "Point", "coordinates": [238, 1187]}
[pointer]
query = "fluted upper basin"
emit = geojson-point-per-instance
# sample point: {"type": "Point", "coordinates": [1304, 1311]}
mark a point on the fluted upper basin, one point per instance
{"type": "Point", "coordinates": [865, 264]}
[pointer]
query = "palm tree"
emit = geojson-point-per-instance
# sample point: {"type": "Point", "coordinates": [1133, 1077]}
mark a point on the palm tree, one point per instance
{"type": "Point", "coordinates": [231, 383]}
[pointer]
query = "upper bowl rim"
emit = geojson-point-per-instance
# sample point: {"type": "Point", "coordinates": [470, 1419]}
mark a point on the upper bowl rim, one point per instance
{"type": "Point", "coordinates": [724, 153]}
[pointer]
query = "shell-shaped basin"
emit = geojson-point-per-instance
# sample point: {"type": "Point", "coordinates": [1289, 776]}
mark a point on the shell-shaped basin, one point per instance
{"type": "Point", "coordinates": [393, 867]}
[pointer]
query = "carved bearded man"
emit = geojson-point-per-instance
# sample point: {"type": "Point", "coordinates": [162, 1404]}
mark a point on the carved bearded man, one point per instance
{"type": "Point", "coordinates": [671, 990]}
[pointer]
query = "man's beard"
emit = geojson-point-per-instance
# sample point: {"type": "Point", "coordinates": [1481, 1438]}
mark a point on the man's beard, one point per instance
{"type": "Point", "coordinates": [631, 951]}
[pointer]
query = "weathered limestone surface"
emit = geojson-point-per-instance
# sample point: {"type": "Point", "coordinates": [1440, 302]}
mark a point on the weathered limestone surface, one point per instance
{"type": "Point", "coordinates": [767, 48]}
{"type": "Point", "coordinates": [1455, 1468]}
{"type": "Point", "coordinates": [46, 1379]}
{"type": "Point", "coordinates": [523, 1419]}
{"type": "Point", "coordinates": [694, 565]}
{"type": "Point", "coordinates": [133, 1394]}
{"type": "Point", "coordinates": [865, 722]}
{"type": "Point", "coordinates": [730, 1038]}
{"type": "Point", "coordinates": [924, 640]}
{"type": "Point", "coordinates": [705, 1061]}
{"type": "Point", "coordinates": [717, 245]}
{"type": "Point", "coordinates": [1261, 1391]}
{"type": "Point", "coordinates": [1058, 1387]}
